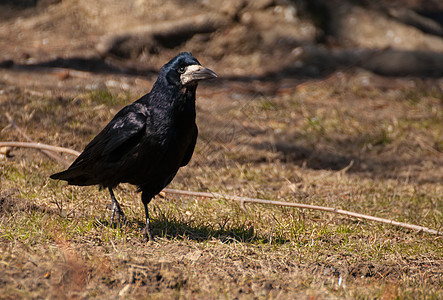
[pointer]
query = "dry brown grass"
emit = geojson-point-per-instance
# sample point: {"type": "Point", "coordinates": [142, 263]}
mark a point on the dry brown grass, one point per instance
{"type": "Point", "coordinates": [276, 142]}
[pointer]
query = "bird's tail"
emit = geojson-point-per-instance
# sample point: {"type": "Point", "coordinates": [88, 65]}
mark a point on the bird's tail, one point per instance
{"type": "Point", "coordinates": [64, 175]}
{"type": "Point", "coordinates": [74, 176]}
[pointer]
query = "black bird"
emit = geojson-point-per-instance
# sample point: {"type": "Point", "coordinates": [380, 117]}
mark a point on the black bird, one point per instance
{"type": "Point", "coordinates": [147, 141]}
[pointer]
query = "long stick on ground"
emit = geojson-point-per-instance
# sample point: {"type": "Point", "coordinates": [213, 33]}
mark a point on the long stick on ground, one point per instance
{"type": "Point", "coordinates": [243, 200]}
{"type": "Point", "coordinates": [299, 205]}
{"type": "Point", "coordinates": [46, 152]}
{"type": "Point", "coordinates": [39, 147]}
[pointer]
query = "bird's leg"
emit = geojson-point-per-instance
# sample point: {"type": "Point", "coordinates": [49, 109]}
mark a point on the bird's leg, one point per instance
{"type": "Point", "coordinates": [147, 231]}
{"type": "Point", "coordinates": [116, 208]}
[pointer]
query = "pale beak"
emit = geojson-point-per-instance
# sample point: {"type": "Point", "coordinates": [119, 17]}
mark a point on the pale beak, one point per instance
{"type": "Point", "coordinates": [195, 73]}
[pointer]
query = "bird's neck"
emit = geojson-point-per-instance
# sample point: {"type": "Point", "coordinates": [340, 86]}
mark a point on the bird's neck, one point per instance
{"type": "Point", "coordinates": [176, 100]}
{"type": "Point", "coordinates": [189, 92]}
{"type": "Point", "coordinates": [185, 102]}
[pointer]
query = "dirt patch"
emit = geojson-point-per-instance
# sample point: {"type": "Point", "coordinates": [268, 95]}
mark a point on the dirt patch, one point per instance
{"type": "Point", "coordinates": [10, 203]}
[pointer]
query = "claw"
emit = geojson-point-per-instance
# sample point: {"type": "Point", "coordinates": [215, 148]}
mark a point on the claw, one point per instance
{"type": "Point", "coordinates": [116, 209]}
{"type": "Point", "coordinates": [147, 231]}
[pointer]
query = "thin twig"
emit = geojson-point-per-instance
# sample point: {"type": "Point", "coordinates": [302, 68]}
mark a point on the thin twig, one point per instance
{"type": "Point", "coordinates": [40, 147]}
{"type": "Point", "coordinates": [47, 153]}
{"type": "Point", "coordinates": [345, 169]}
{"type": "Point", "coordinates": [245, 199]}
{"type": "Point", "coordinates": [75, 207]}
{"type": "Point", "coordinates": [307, 206]}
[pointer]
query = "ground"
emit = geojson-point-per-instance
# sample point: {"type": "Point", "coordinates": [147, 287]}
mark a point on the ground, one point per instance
{"type": "Point", "coordinates": [347, 138]}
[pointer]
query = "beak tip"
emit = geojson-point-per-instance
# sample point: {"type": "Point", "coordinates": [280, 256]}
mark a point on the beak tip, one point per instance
{"type": "Point", "coordinates": [212, 73]}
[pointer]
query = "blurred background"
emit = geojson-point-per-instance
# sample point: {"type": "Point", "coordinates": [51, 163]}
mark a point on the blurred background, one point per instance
{"type": "Point", "coordinates": [243, 38]}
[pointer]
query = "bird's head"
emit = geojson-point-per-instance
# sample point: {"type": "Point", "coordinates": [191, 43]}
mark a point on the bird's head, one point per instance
{"type": "Point", "coordinates": [184, 70]}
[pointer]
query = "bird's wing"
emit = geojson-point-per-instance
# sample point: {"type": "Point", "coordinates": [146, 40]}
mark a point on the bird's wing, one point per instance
{"type": "Point", "coordinates": [125, 128]}
{"type": "Point", "coordinates": [108, 149]}
{"type": "Point", "coordinates": [190, 149]}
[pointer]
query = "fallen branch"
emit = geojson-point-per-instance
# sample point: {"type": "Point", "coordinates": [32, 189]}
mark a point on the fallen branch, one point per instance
{"type": "Point", "coordinates": [158, 35]}
{"type": "Point", "coordinates": [47, 153]}
{"type": "Point", "coordinates": [298, 205]}
{"type": "Point", "coordinates": [243, 200]}
{"type": "Point", "coordinates": [40, 147]}
{"type": "Point", "coordinates": [410, 17]}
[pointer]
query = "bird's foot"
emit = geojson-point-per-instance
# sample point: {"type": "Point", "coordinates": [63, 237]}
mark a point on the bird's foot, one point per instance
{"type": "Point", "coordinates": [121, 218]}
{"type": "Point", "coordinates": [147, 233]}
{"type": "Point", "coordinates": [116, 209]}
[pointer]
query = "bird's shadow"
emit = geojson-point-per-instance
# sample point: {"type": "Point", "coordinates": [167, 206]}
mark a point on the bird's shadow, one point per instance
{"type": "Point", "coordinates": [173, 229]}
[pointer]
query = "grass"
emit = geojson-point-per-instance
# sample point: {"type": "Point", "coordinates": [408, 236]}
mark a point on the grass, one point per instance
{"type": "Point", "coordinates": [55, 240]}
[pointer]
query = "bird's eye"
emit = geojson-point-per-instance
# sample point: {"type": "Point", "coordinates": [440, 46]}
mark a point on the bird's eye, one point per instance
{"type": "Point", "coordinates": [181, 70]}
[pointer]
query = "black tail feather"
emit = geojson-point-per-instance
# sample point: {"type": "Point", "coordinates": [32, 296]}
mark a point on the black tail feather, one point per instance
{"type": "Point", "coordinates": [74, 176]}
